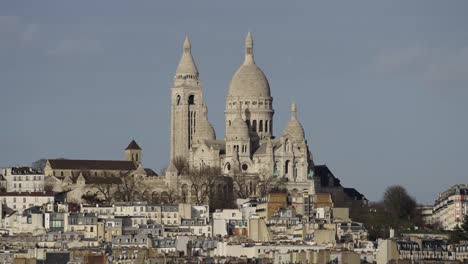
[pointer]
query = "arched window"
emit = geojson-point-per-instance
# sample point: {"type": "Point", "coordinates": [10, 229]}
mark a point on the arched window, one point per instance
{"type": "Point", "coordinates": [286, 167]}
{"type": "Point", "coordinates": [295, 171]}
{"type": "Point", "coordinates": [191, 100]}
{"type": "Point", "coordinates": [286, 143]}
{"type": "Point", "coordinates": [276, 171]}
{"type": "Point", "coordinates": [229, 122]}
{"type": "Point", "coordinates": [260, 126]}
{"type": "Point", "coordinates": [178, 100]}
{"type": "Point", "coordinates": [266, 125]}
{"type": "Point", "coordinates": [136, 157]}
{"type": "Point", "coordinates": [254, 126]}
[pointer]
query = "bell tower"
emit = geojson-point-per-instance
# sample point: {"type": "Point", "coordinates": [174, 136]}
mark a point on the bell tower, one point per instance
{"type": "Point", "coordinates": [133, 153]}
{"type": "Point", "coordinates": [186, 104]}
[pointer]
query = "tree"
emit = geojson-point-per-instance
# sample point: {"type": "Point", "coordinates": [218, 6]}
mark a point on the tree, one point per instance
{"type": "Point", "coordinates": [107, 191]}
{"type": "Point", "coordinates": [182, 165]}
{"type": "Point", "coordinates": [464, 225]}
{"type": "Point", "coordinates": [202, 181]}
{"type": "Point", "coordinates": [128, 187]}
{"type": "Point", "coordinates": [458, 234]}
{"type": "Point", "coordinates": [91, 198]}
{"type": "Point", "coordinates": [241, 184]}
{"type": "Point", "coordinates": [396, 210]}
{"type": "Point", "coordinates": [39, 165]}
{"type": "Point", "coordinates": [268, 182]}
{"type": "Point", "coordinates": [398, 203]}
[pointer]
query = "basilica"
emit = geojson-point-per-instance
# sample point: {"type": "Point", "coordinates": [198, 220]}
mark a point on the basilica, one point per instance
{"type": "Point", "coordinates": [249, 146]}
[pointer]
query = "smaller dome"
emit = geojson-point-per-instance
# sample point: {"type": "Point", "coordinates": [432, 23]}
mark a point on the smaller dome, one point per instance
{"type": "Point", "coordinates": [238, 128]}
{"type": "Point", "coordinates": [205, 130]}
{"type": "Point", "coordinates": [294, 127]}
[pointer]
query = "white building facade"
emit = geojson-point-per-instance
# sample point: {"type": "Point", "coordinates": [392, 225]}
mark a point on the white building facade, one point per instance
{"type": "Point", "coordinates": [249, 146]}
{"type": "Point", "coordinates": [451, 207]}
{"type": "Point", "coordinates": [23, 179]}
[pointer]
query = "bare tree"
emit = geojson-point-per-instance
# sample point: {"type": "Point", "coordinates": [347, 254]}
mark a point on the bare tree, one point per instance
{"type": "Point", "coordinates": [128, 187]}
{"type": "Point", "coordinates": [202, 182]}
{"type": "Point", "coordinates": [48, 187]}
{"type": "Point", "coordinates": [106, 191]}
{"type": "Point", "coordinates": [241, 183]}
{"type": "Point", "coordinates": [39, 165]}
{"type": "Point", "coordinates": [268, 182]}
{"type": "Point", "coordinates": [398, 203]}
{"type": "Point", "coordinates": [182, 165]}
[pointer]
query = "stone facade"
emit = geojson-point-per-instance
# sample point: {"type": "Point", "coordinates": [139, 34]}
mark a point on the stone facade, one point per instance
{"type": "Point", "coordinates": [249, 146]}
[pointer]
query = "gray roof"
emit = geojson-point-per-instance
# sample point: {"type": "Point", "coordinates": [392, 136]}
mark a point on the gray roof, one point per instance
{"type": "Point", "coordinates": [66, 164]}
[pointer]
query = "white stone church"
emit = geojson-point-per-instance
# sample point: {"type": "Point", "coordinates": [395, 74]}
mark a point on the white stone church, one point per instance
{"type": "Point", "coordinates": [249, 145]}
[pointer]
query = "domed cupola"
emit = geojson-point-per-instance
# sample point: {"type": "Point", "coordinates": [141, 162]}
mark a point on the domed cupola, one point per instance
{"type": "Point", "coordinates": [186, 68]}
{"type": "Point", "coordinates": [249, 79]}
{"type": "Point", "coordinates": [294, 128]}
{"type": "Point", "coordinates": [249, 89]}
{"type": "Point", "coordinates": [205, 130]}
{"type": "Point", "coordinates": [237, 129]}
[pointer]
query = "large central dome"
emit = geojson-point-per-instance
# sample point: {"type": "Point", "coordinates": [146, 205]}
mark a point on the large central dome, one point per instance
{"type": "Point", "coordinates": [249, 80]}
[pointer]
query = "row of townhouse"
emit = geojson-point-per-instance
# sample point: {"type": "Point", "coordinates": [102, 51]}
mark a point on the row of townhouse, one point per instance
{"type": "Point", "coordinates": [142, 212]}
{"type": "Point", "coordinates": [449, 209]}
{"type": "Point", "coordinates": [21, 179]}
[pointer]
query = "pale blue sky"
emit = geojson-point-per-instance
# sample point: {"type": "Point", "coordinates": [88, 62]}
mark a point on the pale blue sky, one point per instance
{"type": "Point", "coordinates": [381, 87]}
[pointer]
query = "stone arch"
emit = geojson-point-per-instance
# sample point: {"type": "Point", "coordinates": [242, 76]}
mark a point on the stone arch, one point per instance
{"type": "Point", "coordinates": [295, 170]}
{"type": "Point", "coordinates": [287, 145]}
{"type": "Point", "coordinates": [165, 197]}
{"type": "Point", "coordinates": [227, 167]}
{"type": "Point", "coordinates": [286, 167]}
{"type": "Point", "coordinates": [191, 99]}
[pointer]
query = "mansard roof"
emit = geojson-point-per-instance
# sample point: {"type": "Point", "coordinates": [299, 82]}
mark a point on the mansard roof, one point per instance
{"type": "Point", "coordinates": [326, 176]}
{"type": "Point", "coordinates": [66, 164]}
{"type": "Point", "coordinates": [354, 194]}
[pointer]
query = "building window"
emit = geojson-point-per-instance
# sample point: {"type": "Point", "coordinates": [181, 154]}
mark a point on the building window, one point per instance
{"type": "Point", "coordinates": [191, 100]}
{"type": "Point", "coordinates": [245, 167]}
{"type": "Point", "coordinates": [260, 126]}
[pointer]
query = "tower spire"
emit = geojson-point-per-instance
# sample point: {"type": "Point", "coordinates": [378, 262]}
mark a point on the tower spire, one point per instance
{"type": "Point", "coordinates": [249, 57]}
{"type": "Point", "coordinates": [187, 45]}
{"type": "Point", "coordinates": [293, 110]}
{"type": "Point", "coordinates": [187, 68]}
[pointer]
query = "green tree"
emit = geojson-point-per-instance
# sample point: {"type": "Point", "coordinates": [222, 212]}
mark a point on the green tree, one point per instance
{"type": "Point", "coordinates": [458, 234]}
{"type": "Point", "coordinates": [464, 226]}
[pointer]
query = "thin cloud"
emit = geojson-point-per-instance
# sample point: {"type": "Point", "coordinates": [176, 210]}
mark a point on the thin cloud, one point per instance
{"type": "Point", "coordinates": [435, 67]}
{"type": "Point", "coordinates": [9, 24]}
{"type": "Point", "coordinates": [76, 45]}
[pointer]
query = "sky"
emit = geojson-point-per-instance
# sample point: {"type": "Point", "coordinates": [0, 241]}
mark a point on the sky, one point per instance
{"type": "Point", "coordinates": [381, 87]}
